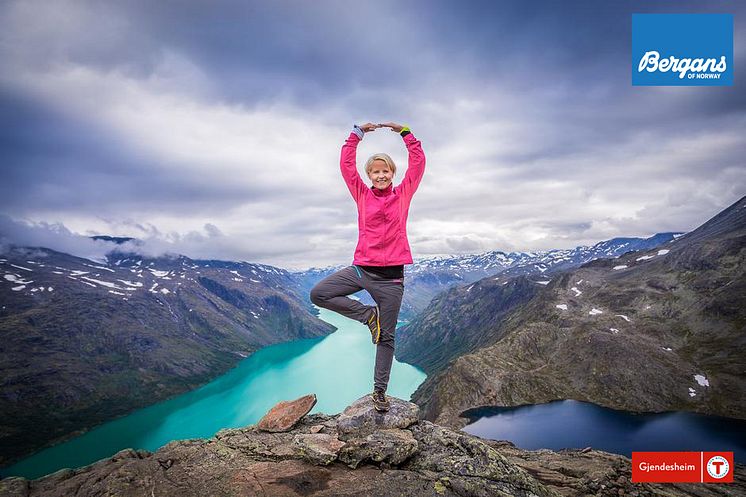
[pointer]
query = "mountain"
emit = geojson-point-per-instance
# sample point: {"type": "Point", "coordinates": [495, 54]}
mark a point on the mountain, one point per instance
{"type": "Point", "coordinates": [356, 453]}
{"type": "Point", "coordinates": [428, 277]}
{"type": "Point", "coordinates": [460, 321]}
{"type": "Point", "coordinates": [652, 330]}
{"type": "Point", "coordinates": [307, 279]}
{"type": "Point", "coordinates": [86, 342]}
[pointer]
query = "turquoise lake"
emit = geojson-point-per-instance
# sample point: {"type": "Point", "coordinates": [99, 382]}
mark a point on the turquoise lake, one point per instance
{"type": "Point", "coordinates": [337, 368]}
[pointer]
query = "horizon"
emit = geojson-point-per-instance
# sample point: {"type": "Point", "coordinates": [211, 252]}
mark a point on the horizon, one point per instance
{"type": "Point", "coordinates": [113, 249]}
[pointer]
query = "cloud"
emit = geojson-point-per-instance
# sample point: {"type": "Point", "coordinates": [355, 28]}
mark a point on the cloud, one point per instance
{"type": "Point", "coordinates": [214, 130]}
{"type": "Point", "coordinates": [196, 244]}
{"type": "Point", "coordinates": [55, 236]}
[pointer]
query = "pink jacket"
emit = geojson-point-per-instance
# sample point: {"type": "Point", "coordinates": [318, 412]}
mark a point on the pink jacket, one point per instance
{"type": "Point", "coordinates": [382, 214]}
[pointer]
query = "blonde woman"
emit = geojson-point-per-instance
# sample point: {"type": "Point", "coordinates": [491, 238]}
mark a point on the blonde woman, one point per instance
{"type": "Point", "coordinates": [382, 247]}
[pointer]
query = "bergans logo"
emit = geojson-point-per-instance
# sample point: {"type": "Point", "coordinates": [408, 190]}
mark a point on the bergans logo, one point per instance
{"type": "Point", "coordinates": [707, 68]}
{"type": "Point", "coordinates": [682, 49]}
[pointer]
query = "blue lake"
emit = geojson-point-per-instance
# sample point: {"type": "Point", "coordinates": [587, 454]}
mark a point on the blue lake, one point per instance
{"type": "Point", "coordinates": [572, 424]}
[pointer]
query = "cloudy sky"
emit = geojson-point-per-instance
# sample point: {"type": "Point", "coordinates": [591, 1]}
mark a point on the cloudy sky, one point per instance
{"type": "Point", "coordinates": [213, 129]}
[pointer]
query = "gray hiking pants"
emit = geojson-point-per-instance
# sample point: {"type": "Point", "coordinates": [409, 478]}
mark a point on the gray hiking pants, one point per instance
{"type": "Point", "coordinates": [331, 293]}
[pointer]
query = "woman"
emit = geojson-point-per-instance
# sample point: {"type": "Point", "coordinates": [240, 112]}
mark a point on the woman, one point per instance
{"type": "Point", "coordinates": [382, 247]}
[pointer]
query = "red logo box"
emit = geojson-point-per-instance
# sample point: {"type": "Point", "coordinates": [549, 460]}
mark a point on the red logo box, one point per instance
{"type": "Point", "coordinates": [682, 467]}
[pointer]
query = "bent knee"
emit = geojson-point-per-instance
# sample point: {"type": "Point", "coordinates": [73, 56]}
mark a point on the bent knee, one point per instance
{"type": "Point", "coordinates": [316, 296]}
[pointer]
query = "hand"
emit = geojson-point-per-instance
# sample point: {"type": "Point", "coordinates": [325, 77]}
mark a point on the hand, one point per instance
{"type": "Point", "coordinates": [367, 127]}
{"type": "Point", "coordinates": [394, 127]}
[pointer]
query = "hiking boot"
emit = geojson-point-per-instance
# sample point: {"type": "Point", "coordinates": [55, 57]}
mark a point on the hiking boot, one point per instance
{"type": "Point", "coordinates": [380, 402]}
{"type": "Point", "coordinates": [374, 324]}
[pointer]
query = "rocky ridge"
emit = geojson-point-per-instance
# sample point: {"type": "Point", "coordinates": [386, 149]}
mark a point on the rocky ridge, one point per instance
{"type": "Point", "coordinates": [359, 452]}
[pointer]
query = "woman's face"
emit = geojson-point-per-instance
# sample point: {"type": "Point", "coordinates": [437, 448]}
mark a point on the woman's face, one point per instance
{"type": "Point", "coordinates": [380, 174]}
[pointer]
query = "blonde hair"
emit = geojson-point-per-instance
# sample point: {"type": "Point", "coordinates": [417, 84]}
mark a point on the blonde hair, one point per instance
{"type": "Point", "coordinates": [384, 157]}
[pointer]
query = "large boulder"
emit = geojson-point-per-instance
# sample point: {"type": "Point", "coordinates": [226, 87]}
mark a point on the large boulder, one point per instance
{"type": "Point", "coordinates": [317, 448]}
{"type": "Point", "coordinates": [466, 458]}
{"type": "Point", "coordinates": [361, 419]}
{"type": "Point", "coordinates": [389, 446]}
{"type": "Point", "coordinates": [286, 414]}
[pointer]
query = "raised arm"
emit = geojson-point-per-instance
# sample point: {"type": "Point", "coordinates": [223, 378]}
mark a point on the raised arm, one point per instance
{"type": "Point", "coordinates": [348, 162]}
{"type": "Point", "coordinates": [416, 166]}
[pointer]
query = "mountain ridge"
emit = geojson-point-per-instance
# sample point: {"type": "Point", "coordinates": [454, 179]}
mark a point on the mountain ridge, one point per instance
{"type": "Point", "coordinates": [429, 277]}
{"type": "Point", "coordinates": [601, 333]}
{"type": "Point", "coordinates": [93, 341]}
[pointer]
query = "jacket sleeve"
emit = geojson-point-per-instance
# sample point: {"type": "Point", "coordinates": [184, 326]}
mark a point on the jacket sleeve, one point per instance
{"type": "Point", "coordinates": [416, 167]}
{"type": "Point", "coordinates": [349, 169]}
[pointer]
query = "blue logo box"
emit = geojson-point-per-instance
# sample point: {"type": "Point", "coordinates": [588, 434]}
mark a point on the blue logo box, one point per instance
{"type": "Point", "coordinates": [682, 49]}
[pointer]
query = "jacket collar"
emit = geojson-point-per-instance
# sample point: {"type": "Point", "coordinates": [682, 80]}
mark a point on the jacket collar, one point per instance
{"type": "Point", "coordinates": [384, 192]}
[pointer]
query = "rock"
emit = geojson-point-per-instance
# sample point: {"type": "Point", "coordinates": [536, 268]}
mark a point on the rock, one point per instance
{"type": "Point", "coordinates": [14, 487]}
{"type": "Point", "coordinates": [360, 419]}
{"type": "Point", "coordinates": [286, 414]}
{"type": "Point", "coordinates": [298, 479]}
{"type": "Point", "coordinates": [318, 448]}
{"type": "Point", "coordinates": [126, 454]}
{"type": "Point", "coordinates": [389, 446]}
{"type": "Point", "coordinates": [257, 442]}
{"type": "Point", "coordinates": [317, 428]}
{"type": "Point", "coordinates": [465, 458]}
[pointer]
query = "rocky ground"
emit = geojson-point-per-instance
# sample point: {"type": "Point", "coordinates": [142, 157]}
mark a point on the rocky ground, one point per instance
{"type": "Point", "coordinates": [358, 452]}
